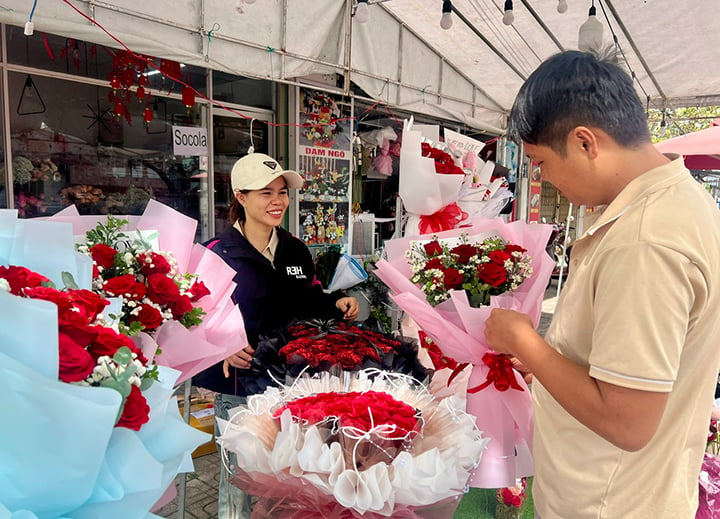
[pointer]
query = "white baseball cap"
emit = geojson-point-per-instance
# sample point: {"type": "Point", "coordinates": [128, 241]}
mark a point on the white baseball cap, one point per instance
{"type": "Point", "coordinates": [257, 170]}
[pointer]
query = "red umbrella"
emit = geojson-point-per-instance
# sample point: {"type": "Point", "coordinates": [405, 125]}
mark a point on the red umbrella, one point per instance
{"type": "Point", "coordinates": [701, 149]}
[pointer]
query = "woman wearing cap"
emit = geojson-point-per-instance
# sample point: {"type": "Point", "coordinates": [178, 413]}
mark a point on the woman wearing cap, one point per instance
{"type": "Point", "coordinates": [275, 284]}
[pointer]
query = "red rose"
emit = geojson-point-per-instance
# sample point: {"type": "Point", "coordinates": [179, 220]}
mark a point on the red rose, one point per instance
{"type": "Point", "coordinates": [120, 285]}
{"type": "Point", "coordinates": [149, 316]}
{"type": "Point", "coordinates": [61, 299]}
{"type": "Point", "coordinates": [180, 306]}
{"type": "Point", "coordinates": [103, 255]}
{"type": "Point", "coordinates": [21, 277]}
{"type": "Point", "coordinates": [90, 302]}
{"type": "Point", "coordinates": [76, 363]}
{"type": "Point", "coordinates": [153, 263]}
{"type": "Point", "coordinates": [511, 247]}
{"type": "Point", "coordinates": [198, 290]}
{"type": "Point", "coordinates": [452, 278]}
{"type": "Point", "coordinates": [434, 263]}
{"type": "Point", "coordinates": [492, 274]}
{"type": "Point", "coordinates": [433, 248]}
{"type": "Point", "coordinates": [108, 341]}
{"type": "Point", "coordinates": [499, 257]}
{"type": "Point", "coordinates": [464, 252]}
{"type": "Point", "coordinates": [161, 289]}
{"type": "Point", "coordinates": [79, 331]}
{"type": "Point", "coordinates": [136, 411]}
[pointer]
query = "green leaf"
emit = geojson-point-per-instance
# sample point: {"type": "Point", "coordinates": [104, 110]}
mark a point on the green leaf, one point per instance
{"type": "Point", "coordinates": [69, 281]}
{"type": "Point", "coordinates": [122, 387]}
{"type": "Point", "coordinates": [123, 356]}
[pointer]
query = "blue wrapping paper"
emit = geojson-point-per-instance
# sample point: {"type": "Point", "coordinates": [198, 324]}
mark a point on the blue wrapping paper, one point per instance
{"type": "Point", "coordinates": [60, 454]}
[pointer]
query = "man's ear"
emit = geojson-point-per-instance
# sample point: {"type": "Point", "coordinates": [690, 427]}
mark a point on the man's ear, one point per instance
{"type": "Point", "coordinates": [585, 140]}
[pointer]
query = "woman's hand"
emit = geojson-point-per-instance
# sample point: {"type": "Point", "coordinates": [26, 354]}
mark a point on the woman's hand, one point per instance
{"type": "Point", "coordinates": [349, 306]}
{"type": "Point", "coordinates": [241, 360]}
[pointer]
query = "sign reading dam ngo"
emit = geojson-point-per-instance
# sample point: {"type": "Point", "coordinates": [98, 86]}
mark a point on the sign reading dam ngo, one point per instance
{"type": "Point", "coordinates": [189, 140]}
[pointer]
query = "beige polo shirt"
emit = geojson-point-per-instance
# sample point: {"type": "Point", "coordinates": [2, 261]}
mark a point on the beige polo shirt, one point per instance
{"type": "Point", "coordinates": [269, 251]}
{"type": "Point", "coordinates": [641, 309]}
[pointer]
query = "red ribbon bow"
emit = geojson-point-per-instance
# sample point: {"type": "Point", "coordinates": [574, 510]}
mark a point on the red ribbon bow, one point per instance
{"type": "Point", "coordinates": [501, 374]}
{"type": "Point", "coordinates": [445, 219]}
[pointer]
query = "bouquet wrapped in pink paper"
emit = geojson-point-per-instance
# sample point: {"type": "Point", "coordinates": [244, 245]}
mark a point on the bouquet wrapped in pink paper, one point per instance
{"type": "Point", "coordinates": [497, 395]}
{"type": "Point", "coordinates": [174, 294]}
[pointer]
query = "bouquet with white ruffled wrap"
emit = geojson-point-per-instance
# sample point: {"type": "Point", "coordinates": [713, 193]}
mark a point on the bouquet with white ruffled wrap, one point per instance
{"type": "Point", "coordinates": [325, 468]}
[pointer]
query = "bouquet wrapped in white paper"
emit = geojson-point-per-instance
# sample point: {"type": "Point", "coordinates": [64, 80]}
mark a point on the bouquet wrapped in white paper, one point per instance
{"type": "Point", "coordinates": [445, 184]}
{"type": "Point", "coordinates": [369, 444]}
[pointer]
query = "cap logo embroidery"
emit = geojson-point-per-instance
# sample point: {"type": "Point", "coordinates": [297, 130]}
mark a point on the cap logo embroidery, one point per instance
{"type": "Point", "coordinates": [269, 163]}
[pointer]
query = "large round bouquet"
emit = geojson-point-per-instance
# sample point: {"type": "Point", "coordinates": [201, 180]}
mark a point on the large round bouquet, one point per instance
{"type": "Point", "coordinates": [364, 444]}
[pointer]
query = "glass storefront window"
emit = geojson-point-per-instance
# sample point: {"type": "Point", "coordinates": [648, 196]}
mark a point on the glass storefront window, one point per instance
{"type": "Point", "coordinates": [239, 90]}
{"type": "Point", "coordinates": [79, 58]}
{"type": "Point", "coordinates": [71, 149]}
{"type": "Point", "coordinates": [231, 141]}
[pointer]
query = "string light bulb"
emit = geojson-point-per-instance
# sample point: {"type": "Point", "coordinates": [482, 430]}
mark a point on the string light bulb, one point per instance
{"type": "Point", "coordinates": [562, 6]}
{"type": "Point", "coordinates": [663, 126]}
{"type": "Point", "coordinates": [590, 35]}
{"type": "Point", "coordinates": [362, 11]}
{"type": "Point", "coordinates": [508, 17]}
{"type": "Point", "coordinates": [446, 18]}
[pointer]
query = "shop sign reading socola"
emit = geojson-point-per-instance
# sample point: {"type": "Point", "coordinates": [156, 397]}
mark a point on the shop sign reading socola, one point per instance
{"type": "Point", "coordinates": [189, 140]}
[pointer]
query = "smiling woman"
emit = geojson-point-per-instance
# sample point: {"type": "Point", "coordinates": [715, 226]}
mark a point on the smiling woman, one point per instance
{"type": "Point", "coordinates": [275, 278]}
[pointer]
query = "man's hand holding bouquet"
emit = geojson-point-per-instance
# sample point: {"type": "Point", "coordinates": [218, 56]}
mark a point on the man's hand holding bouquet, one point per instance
{"type": "Point", "coordinates": [458, 277]}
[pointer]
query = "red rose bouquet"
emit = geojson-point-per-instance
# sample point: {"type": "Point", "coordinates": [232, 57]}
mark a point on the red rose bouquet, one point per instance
{"type": "Point", "coordinates": [315, 346]}
{"type": "Point", "coordinates": [365, 444]}
{"type": "Point", "coordinates": [91, 353]}
{"type": "Point", "coordinates": [497, 395]}
{"type": "Point", "coordinates": [482, 269]}
{"type": "Point", "coordinates": [91, 424]}
{"type": "Point", "coordinates": [149, 284]}
{"type": "Point", "coordinates": [431, 180]}
{"type": "Point", "coordinates": [174, 294]}
{"type": "Point", "coordinates": [510, 500]}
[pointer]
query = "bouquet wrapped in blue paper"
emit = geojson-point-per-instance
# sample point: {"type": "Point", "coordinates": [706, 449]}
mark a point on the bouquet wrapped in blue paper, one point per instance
{"type": "Point", "coordinates": [89, 427]}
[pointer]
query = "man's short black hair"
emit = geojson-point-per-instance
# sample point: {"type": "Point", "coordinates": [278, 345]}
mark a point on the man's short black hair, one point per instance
{"type": "Point", "coordinates": [572, 89]}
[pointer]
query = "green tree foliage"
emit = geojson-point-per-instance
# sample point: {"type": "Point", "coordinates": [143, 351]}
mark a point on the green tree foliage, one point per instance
{"type": "Point", "coordinates": [680, 121]}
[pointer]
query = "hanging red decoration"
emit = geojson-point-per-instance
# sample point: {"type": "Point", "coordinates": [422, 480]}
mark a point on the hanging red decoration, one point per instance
{"type": "Point", "coordinates": [188, 98]}
{"type": "Point", "coordinates": [140, 93]}
{"type": "Point", "coordinates": [119, 109]}
{"type": "Point", "coordinates": [148, 115]}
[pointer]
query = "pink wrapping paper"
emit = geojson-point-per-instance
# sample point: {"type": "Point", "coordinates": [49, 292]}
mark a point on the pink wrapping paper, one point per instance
{"type": "Point", "coordinates": [709, 499]}
{"type": "Point", "coordinates": [222, 331]}
{"type": "Point", "coordinates": [505, 417]}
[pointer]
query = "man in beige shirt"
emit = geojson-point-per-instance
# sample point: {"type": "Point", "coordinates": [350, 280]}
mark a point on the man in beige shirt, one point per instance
{"type": "Point", "coordinates": [624, 380]}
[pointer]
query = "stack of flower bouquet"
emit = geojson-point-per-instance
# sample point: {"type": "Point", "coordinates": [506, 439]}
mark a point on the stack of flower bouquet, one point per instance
{"type": "Point", "coordinates": [365, 444]}
{"type": "Point", "coordinates": [90, 429]}
{"type": "Point", "coordinates": [448, 283]}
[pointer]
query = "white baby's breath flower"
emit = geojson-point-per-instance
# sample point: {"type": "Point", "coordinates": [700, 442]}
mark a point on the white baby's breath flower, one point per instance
{"type": "Point", "coordinates": [4, 285]}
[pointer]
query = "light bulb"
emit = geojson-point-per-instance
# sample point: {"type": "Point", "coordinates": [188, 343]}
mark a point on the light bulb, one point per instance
{"type": "Point", "coordinates": [590, 35]}
{"type": "Point", "coordinates": [249, 2]}
{"type": "Point", "coordinates": [446, 18]}
{"type": "Point", "coordinates": [562, 6]}
{"type": "Point", "coordinates": [663, 129]}
{"type": "Point", "coordinates": [362, 12]}
{"type": "Point", "coordinates": [509, 16]}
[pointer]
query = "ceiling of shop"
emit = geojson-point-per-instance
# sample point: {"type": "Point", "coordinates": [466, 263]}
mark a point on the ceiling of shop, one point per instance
{"type": "Point", "coordinates": [671, 46]}
{"type": "Point", "coordinates": [469, 73]}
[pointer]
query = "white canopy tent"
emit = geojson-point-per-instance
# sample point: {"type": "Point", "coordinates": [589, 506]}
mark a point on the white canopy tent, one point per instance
{"type": "Point", "coordinates": [469, 73]}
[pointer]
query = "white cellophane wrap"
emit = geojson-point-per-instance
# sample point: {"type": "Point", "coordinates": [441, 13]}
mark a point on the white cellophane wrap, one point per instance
{"type": "Point", "coordinates": [350, 468]}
